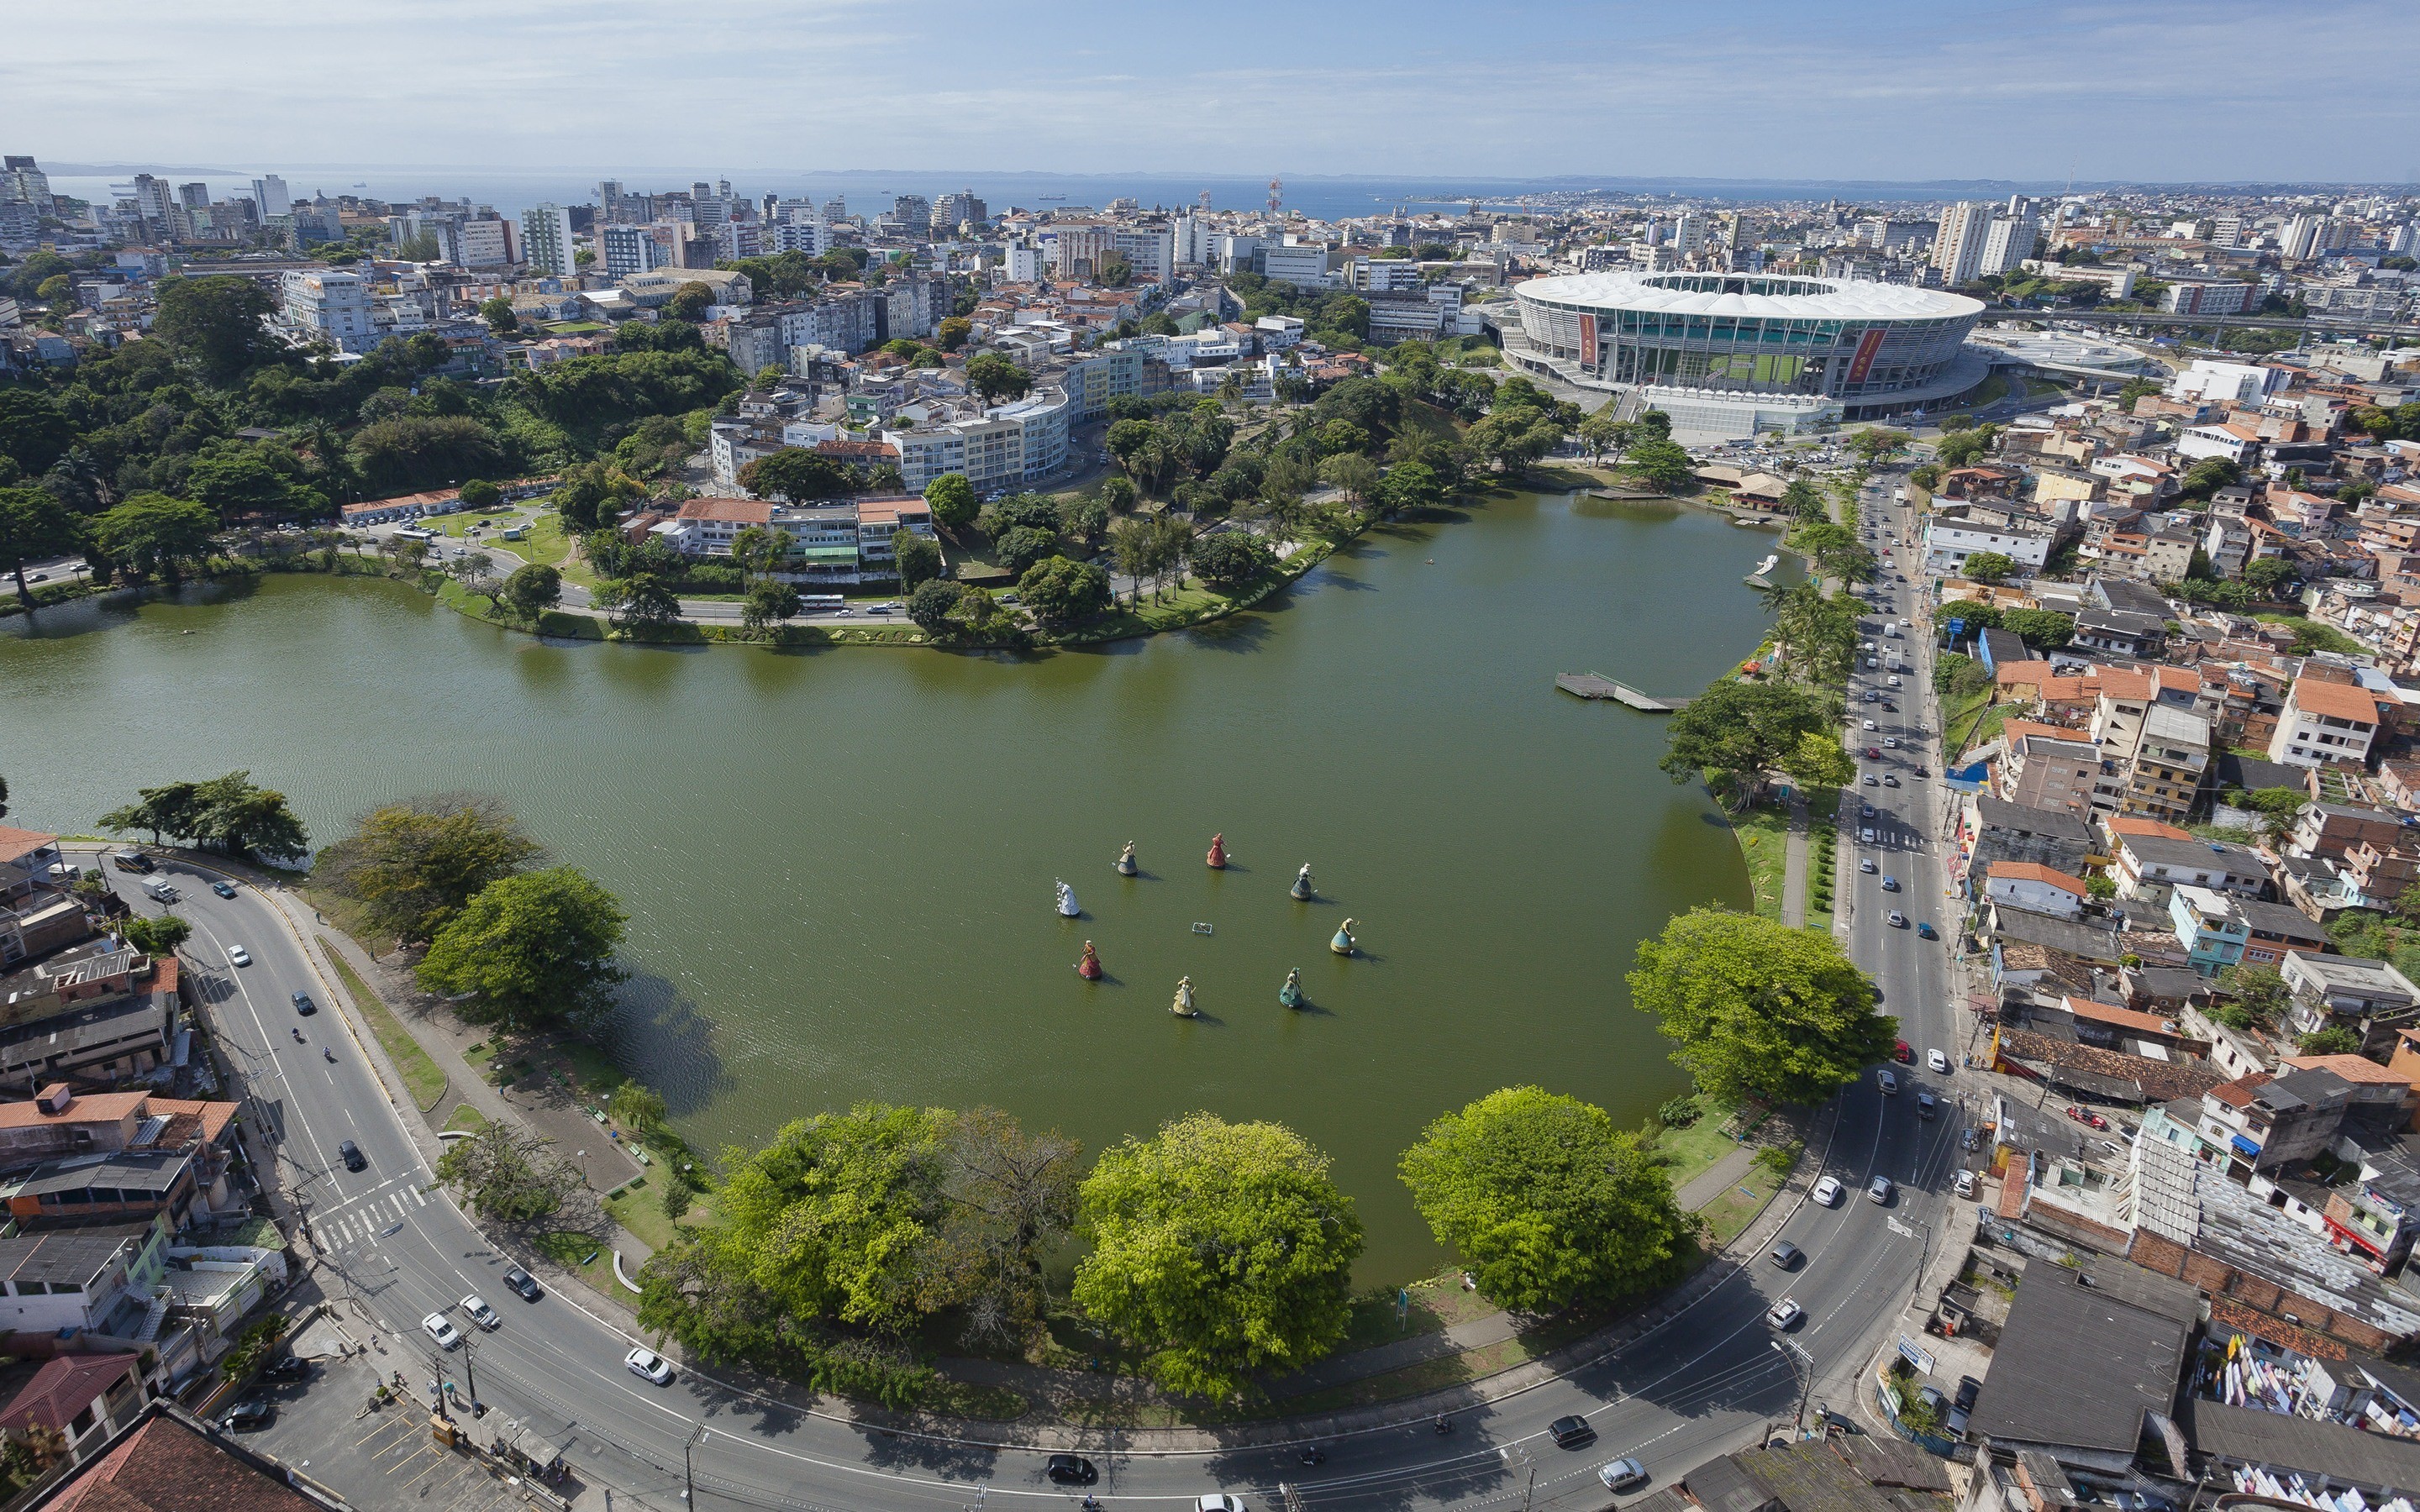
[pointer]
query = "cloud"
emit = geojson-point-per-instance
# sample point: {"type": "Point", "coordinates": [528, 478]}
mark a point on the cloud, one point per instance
{"type": "Point", "coordinates": [1872, 89]}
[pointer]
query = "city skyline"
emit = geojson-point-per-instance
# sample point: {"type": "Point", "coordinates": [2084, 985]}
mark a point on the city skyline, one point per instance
{"type": "Point", "coordinates": [1882, 90]}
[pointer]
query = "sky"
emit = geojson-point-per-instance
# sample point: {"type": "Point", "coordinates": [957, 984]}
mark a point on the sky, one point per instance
{"type": "Point", "coordinates": [2146, 91]}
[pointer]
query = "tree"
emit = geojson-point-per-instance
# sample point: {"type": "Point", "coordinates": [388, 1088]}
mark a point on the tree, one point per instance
{"type": "Point", "coordinates": [508, 1175]}
{"type": "Point", "coordinates": [1007, 1197]}
{"type": "Point", "coordinates": [1602, 433]}
{"type": "Point", "coordinates": [1819, 763]}
{"type": "Point", "coordinates": [152, 535]}
{"type": "Point", "coordinates": [952, 498]}
{"type": "Point", "coordinates": [690, 302]}
{"type": "Point", "coordinates": [1354, 474]}
{"type": "Point", "coordinates": [636, 1106]}
{"type": "Point", "coordinates": [155, 937]}
{"type": "Point", "coordinates": [33, 524]}
{"type": "Point", "coordinates": [2207, 476]}
{"type": "Point", "coordinates": [2258, 991]}
{"type": "Point", "coordinates": [413, 865]}
{"type": "Point", "coordinates": [640, 601]}
{"type": "Point", "coordinates": [478, 493]}
{"type": "Point", "coordinates": [1659, 464]}
{"type": "Point", "coordinates": [2278, 808]}
{"type": "Point", "coordinates": [919, 559]}
{"type": "Point", "coordinates": [952, 331]}
{"type": "Point", "coordinates": [2041, 628]}
{"type": "Point", "coordinates": [1119, 494]}
{"type": "Point", "coordinates": [1230, 558]}
{"type": "Point", "coordinates": [1545, 1201]}
{"type": "Point", "coordinates": [798, 474]}
{"type": "Point", "coordinates": [1020, 546]}
{"type": "Point", "coordinates": [2268, 575]}
{"type": "Point", "coordinates": [2134, 390]}
{"type": "Point", "coordinates": [2335, 1039]}
{"type": "Point", "coordinates": [1988, 567]}
{"type": "Point", "coordinates": [931, 604]}
{"type": "Point", "coordinates": [218, 322]}
{"type": "Point", "coordinates": [498, 313]}
{"type": "Point", "coordinates": [769, 604]}
{"type": "Point", "coordinates": [1759, 1010]}
{"type": "Point", "coordinates": [1225, 1249]}
{"type": "Point", "coordinates": [1060, 592]}
{"type": "Point", "coordinates": [996, 378]}
{"type": "Point", "coordinates": [1875, 444]}
{"type": "Point", "coordinates": [1411, 486]}
{"type": "Point", "coordinates": [1803, 503]}
{"type": "Point", "coordinates": [761, 549]}
{"type": "Point", "coordinates": [1114, 273]}
{"type": "Point", "coordinates": [592, 495]}
{"type": "Point", "coordinates": [1741, 729]}
{"type": "Point", "coordinates": [530, 951]}
{"type": "Point", "coordinates": [532, 589]}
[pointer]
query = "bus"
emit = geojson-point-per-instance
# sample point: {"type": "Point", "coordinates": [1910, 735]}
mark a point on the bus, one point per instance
{"type": "Point", "coordinates": [821, 603]}
{"type": "Point", "coordinates": [413, 532]}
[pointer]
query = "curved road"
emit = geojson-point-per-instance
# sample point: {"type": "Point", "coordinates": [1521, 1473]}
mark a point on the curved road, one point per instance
{"type": "Point", "coordinates": [1709, 1380]}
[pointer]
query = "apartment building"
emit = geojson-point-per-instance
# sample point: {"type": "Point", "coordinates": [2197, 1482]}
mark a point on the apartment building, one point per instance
{"type": "Point", "coordinates": [2147, 865]}
{"type": "Point", "coordinates": [2218, 930]}
{"type": "Point", "coordinates": [546, 241]}
{"type": "Point", "coordinates": [1952, 536]}
{"type": "Point", "coordinates": [1004, 447]}
{"type": "Point", "coordinates": [2323, 722]}
{"type": "Point", "coordinates": [330, 305]}
{"type": "Point", "coordinates": [834, 543]}
{"type": "Point", "coordinates": [2048, 767]}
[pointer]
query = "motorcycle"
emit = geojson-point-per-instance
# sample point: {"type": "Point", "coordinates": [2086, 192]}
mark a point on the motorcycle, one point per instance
{"type": "Point", "coordinates": [1314, 1455]}
{"type": "Point", "coordinates": [1442, 1425]}
{"type": "Point", "coordinates": [329, 1053]}
{"type": "Point", "coordinates": [298, 1036]}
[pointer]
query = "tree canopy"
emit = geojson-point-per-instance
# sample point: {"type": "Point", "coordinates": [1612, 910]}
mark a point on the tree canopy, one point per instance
{"type": "Point", "coordinates": [798, 474]}
{"type": "Point", "coordinates": [529, 951]}
{"type": "Point", "coordinates": [1757, 1008]}
{"type": "Point", "coordinates": [1545, 1201]}
{"type": "Point", "coordinates": [412, 866]}
{"type": "Point", "coordinates": [1226, 1249]}
{"type": "Point", "coordinates": [225, 813]}
{"type": "Point", "coordinates": [1741, 729]}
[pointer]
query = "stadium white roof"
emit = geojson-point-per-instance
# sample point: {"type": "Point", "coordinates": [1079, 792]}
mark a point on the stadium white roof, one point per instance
{"type": "Point", "coordinates": [1840, 299]}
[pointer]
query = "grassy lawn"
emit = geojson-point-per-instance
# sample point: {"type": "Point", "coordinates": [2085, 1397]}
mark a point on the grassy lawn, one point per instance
{"type": "Point", "coordinates": [465, 1119]}
{"type": "Point", "coordinates": [1763, 834]}
{"type": "Point", "coordinates": [583, 1253]}
{"type": "Point", "coordinates": [422, 1076]}
{"type": "Point", "coordinates": [1966, 722]}
{"type": "Point", "coordinates": [546, 543]}
{"type": "Point", "coordinates": [1822, 839]}
{"type": "Point", "coordinates": [640, 1208]}
{"type": "Point", "coordinates": [1686, 1153]}
{"type": "Point", "coordinates": [1729, 1214]}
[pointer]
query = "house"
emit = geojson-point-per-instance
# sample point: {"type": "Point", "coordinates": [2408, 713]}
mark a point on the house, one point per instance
{"type": "Point", "coordinates": [2219, 931]}
{"type": "Point", "coordinates": [2369, 998]}
{"type": "Point", "coordinates": [2034, 887]}
{"type": "Point", "coordinates": [2084, 1354]}
{"type": "Point", "coordinates": [1991, 830]}
{"type": "Point", "coordinates": [2324, 722]}
{"type": "Point", "coordinates": [113, 1189]}
{"type": "Point", "coordinates": [2334, 830]}
{"type": "Point", "coordinates": [93, 1015]}
{"type": "Point", "coordinates": [36, 917]}
{"type": "Point", "coordinates": [172, 1461]}
{"type": "Point", "coordinates": [2048, 769]}
{"type": "Point", "coordinates": [2268, 1122]}
{"type": "Point", "coordinates": [59, 1124]}
{"type": "Point", "coordinates": [87, 1398]}
{"type": "Point", "coordinates": [97, 1280]}
{"type": "Point", "coordinates": [2147, 866]}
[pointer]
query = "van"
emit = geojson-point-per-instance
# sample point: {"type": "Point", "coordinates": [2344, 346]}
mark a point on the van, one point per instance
{"type": "Point", "coordinates": [130, 861]}
{"type": "Point", "coordinates": [1927, 1105]}
{"type": "Point", "coordinates": [158, 891]}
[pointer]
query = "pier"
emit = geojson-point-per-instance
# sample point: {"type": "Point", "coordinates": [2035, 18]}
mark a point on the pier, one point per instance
{"type": "Point", "coordinates": [1596, 686]}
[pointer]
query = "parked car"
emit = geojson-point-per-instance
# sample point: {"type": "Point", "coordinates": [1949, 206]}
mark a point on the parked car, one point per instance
{"type": "Point", "coordinates": [1826, 1193]}
{"type": "Point", "coordinates": [437, 1326]}
{"type": "Point", "coordinates": [1218, 1501]}
{"type": "Point", "coordinates": [1935, 1060]}
{"type": "Point", "coordinates": [1968, 1389]}
{"type": "Point", "coordinates": [224, 889]}
{"type": "Point", "coordinates": [1072, 1470]}
{"type": "Point", "coordinates": [649, 1365]}
{"type": "Point", "coordinates": [477, 1311]}
{"type": "Point", "coordinates": [1570, 1432]}
{"type": "Point", "coordinates": [253, 1413]}
{"type": "Point", "coordinates": [2086, 1115]}
{"type": "Point", "coordinates": [286, 1367]}
{"type": "Point", "coordinates": [352, 1155]}
{"type": "Point", "coordinates": [1621, 1475]}
{"type": "Point", "coordinates": [522, 1284]}
{"type": "Point", "coordinates": [1785, 1314]}
{"type": "Point", "coordinates": [304, 1005]}
{"type": "Point", "coordinates": [1965, 1184]}
{"type": "Point", "coordinates": [1966, 1140]}
{"type": "Point", "coordinates": [237, 955]}
{"type": "Point", "coordinates": [1880, 1190]}
{"type": "Point", "coordinates": [1890, 779]}
{"type": "Point", "coordinates": [1788, 1255]}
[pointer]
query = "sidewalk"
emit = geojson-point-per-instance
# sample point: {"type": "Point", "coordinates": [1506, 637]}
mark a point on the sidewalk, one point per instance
{"type": "Point", "coordinates": [1793, 866]}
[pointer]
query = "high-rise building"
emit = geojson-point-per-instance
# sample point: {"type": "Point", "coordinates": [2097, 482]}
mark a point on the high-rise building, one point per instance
{"type": "Point", "coordinates": [2226, 230]}
{"type": "Point", "coordinates": [545, 240]}
{"type": "Point", "coordinates": [1688, 234]}
{"type": "Point", "coordinates": [1958, 246]}
{"type": "Point", "coordinates": [333, 306]}
{"type": "Point", "coordinates": [835, 210]}
{"type": "Point", "coordinates": [2305, 235]}
{"type": "Point", "coordinates": [628, 249]}
{"type": "Point", "coordinates": [268, 192]}
{"type": "Point", "coordinates": [2009, 241]}
{"type": "Point", "coordinates": [962, 209]}
{"type": "Point", "coordinates": [915, 214]}
{"type": "Point", "coordinates": [23, 180]}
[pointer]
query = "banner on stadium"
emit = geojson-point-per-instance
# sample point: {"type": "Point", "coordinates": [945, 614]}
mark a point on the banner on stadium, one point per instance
{"type": "Point", "coordinates": [1870, 344]}
{"type": "Point", "coordinates": [1588, 341]}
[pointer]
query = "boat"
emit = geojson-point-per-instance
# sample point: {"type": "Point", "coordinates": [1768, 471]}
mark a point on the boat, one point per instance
{"type": "Point", "coordinates": [1183, 1008]}
{"type": "Point", "coordinates": [1068, 907]}
{"type": "Point", "coordinates": [1343, 944]}
{"type": "Point", "coordinates": [1217, 859]}
{"type": "Point", "coordinates": [1089, 967]}
{"type": "Point", "coordinates": [1126, 862]}
{"type": "Point", "coordinates": [1290, 994]}
{"type": "Point", "coordinates": [1302, 888]}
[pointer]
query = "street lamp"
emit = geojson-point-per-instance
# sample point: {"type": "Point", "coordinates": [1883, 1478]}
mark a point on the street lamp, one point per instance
{"type": "Point", "coordinates": [1529, 1489]}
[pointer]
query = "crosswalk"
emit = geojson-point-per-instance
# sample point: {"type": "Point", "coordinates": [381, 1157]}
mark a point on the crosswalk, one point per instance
{"type": "Point", "coordinates": [370, 1220]}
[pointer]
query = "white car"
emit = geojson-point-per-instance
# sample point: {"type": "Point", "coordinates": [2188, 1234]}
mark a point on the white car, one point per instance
{"type": "Point", "coordinates": [237, 955]}
{"type": "Point", "coordinates": [1222, 1502]}
{"type": "Point", "coordinates": [1870, 724]}
{"type": "Point", "coordinates": [649, 1365]}
{"type": "Point", "coordinates": [1826, 1193]}
{"type": "Point", "coordinates": [481, 1313]}
{"type": "Point", "coordinates": [1965, 1184]}
{"type": "Point", "coordinates": [1937, 1061]}
{"type": "Point", "coordinates": [444, 1333]}
{"type": "Point", "coordinates": [1785, 1313]}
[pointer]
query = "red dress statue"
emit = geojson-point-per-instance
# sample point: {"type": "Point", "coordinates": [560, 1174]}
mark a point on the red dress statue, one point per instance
{"type": "Point", "coordinates": [1218, 853]}
{"type": "Point", "coordinates": [1089, 967]}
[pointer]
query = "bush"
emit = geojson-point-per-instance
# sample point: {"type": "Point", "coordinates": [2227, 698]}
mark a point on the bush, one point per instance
{"type": "Point", "coordinates": [678, 1196]}
{"type": "Point", "coordinates": [1779, 1161]}
{"type": "Point", "coordinates": [1680, 1112]}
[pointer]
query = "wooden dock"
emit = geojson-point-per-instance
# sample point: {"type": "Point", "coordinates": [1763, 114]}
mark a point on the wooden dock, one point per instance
{"type": "Point", "coordinates": [1596, 686]}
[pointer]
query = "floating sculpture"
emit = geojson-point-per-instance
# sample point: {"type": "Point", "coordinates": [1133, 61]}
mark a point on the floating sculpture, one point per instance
{"type": "Point", "coordinates": [1302, 888]}
{"type": "Point", "coordinates": [1217, 857]}
{"type": "Point", "coordinates": [1343, 944]}
{"type": "Point", "coordinates": [1068, 907]}
{"type": "Point", "coordinates": [1127, 866]}
{"type": "Point", "coordinates": [1183, 1008]}
{"type": "Point", "coordinates": [1089, 967]}
{"type": "Point", "coordinates": [1291, 993]}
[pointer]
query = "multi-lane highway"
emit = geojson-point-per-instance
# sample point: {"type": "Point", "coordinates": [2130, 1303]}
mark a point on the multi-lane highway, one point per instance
{"type": "Point", "coordinates": [1708, 1380]}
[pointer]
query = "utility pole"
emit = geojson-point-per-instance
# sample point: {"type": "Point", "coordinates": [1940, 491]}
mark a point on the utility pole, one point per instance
{"type": "Point", "coordinates": [689, 1475]}
{"type": "Point", "coordinates": [1530, 1488]}
{"type": "Point", "coordinates": [1789, 1350]}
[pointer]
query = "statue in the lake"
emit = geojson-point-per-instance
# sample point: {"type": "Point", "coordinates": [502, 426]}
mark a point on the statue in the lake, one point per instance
{"type": "Point", "coordinates": [1302, 888]}
{"type": "Point", "coordinates": [1291, 993]}
{"type": "Point", "coordinates": [1127, 866]}
{"type": "Point", "coordinates": [1089, 967]}
{"type": "Point", "coordinates": [1068, 907]}
{"type": "Point", "coordinates": [1217, 857]}
{"type": "Point", "coordinates": [1343, 944]}
{"type": "Point", "coordinates": [1183, 1008]}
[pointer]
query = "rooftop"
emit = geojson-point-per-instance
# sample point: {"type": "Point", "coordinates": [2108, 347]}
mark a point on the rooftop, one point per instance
{"type": "Point", "coordinates": [2036, 872]}
{"type": "Point", "coordinates": [1834, 298]}
{"type": "Point", "coordinates": [2334, 700]}
{"type": "Point", "coordinates": [2084, 1354]}
{"type": "Point", "coordinates": [1998, 814]}
{"type": "Point", "coordinates": [62, 1388]}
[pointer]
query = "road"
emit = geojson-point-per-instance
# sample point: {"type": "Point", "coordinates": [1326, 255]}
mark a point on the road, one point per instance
{"type": "Point", "coordinates": [1709, 1380]}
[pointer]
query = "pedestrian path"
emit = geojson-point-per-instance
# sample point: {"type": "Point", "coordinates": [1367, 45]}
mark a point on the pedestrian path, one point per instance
{"type": "Point", "coordinates": [1794, 867]}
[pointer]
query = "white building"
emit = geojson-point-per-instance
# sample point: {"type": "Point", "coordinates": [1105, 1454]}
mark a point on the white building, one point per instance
{"type": "Point", "coordinates": [545, 240]}
{"type": "Point", "coordinates": [1958, 247]}
{"type": "Point", "coordinates": [1948, 541]}
{"type": "Point", "coordinates": [2007, 243]}
{"type": "Point", "coordinates": [1007, 446]}
{"type": "Point", "coordinates": [2215, 383]}
{"type": "Point", "coordinates": [2323, 722]}
{"type": "Point", "coordinates": [2231, 440]}
{"type": "Point", "coordinates": [330, 305]}
{"type": "Point", "coordinates": [484, 243]}
{"type": "Point", "coordinates": [1303, 266]}
{"type": "Point", "coordinates": [1024, 264]}
{"type": "Point", "coordinates": [269, 194]}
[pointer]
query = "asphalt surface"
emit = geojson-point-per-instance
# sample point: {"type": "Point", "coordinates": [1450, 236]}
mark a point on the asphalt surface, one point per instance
{"type": "Point", "coordinates": [1710, 1380]}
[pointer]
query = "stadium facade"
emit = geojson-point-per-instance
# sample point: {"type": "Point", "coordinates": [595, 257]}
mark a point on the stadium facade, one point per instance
{"type": "Point", "coordinates": [1736, 353]}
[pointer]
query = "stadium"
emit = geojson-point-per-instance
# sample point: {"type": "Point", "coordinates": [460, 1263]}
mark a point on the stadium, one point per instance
{"type": "Point", "coordinates": [1730, 354]}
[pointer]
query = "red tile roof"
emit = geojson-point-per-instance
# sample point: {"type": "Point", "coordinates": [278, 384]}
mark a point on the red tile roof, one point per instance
{"type": "Point", "coordinates": [167, 1465]}
{"type": "Point", "coordinates": [2036, 872]}
{"type": "Point", "coordinates": [15, 844]}
{"type": "Point", "coordinates": [738, 510]}
{"type": "Point", "coordinates": [2110, 1013]}
{"type": "Point", "coordinates": [65, 1386]}
{"type": "Point", "coordinates": [2336, 701]}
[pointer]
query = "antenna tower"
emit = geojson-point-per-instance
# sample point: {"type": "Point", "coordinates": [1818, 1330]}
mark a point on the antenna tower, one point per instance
{"type": "Point", "coordinates": [1203, 199]}
{"type": "Point", "coordinates": [1276, 194]}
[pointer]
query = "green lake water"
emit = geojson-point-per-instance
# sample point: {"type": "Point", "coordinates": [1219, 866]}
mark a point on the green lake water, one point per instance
{"type": "Point", "coordinates": [839, 864]}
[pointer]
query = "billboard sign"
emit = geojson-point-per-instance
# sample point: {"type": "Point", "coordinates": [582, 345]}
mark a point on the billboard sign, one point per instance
{"type": "Point", "coordinates": [1867, 346]}
{"type": "Point", "coordinates": [1588, 341]}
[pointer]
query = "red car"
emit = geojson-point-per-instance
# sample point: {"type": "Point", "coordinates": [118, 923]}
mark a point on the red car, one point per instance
{"type": "Point", "coordinates": [1903, 1054]}
{"type": "Point", "coordinates": [2080, 1116]}
{"type": "Point", "coordinates": [1874, 753]}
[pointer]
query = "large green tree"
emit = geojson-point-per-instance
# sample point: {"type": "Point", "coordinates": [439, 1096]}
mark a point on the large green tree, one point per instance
{"type": "Point", "coordinates": [952, 498]}
{"type": "Point", "coordinates": [1741, 729]}
{"type": "Point", "coordinates": [1658, 463]}
{"type": "Point", "coordinates": [34, 524]}
{"type": "Point", "coordinates": [996, 378]}
{"type": "Point", "coordinates": [1225, 1249]}
{"type": "Point", "coordinates": [1545, 1201]}
{"type": "Point", "coordinates": [152, 535]}
{"type": "Point", "coordinates": [219, 322]}
{"type": "Point", "coordinates": [530, 951]}
{"type": "Point", "coordinates": [532, 589]}
{"type": "Point", "coordinates": [227, 813]}
{"type": "Point", "coordinates": [1757, 1008]}
{"type": "Point", "coordinates": [413, 865]}
{"type": "Point", "coordinates": [798, 474]}
{"type": "Point", "coordinates": [1060, 592]}
{"type": "Point", "coordinates": [918, 558]}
